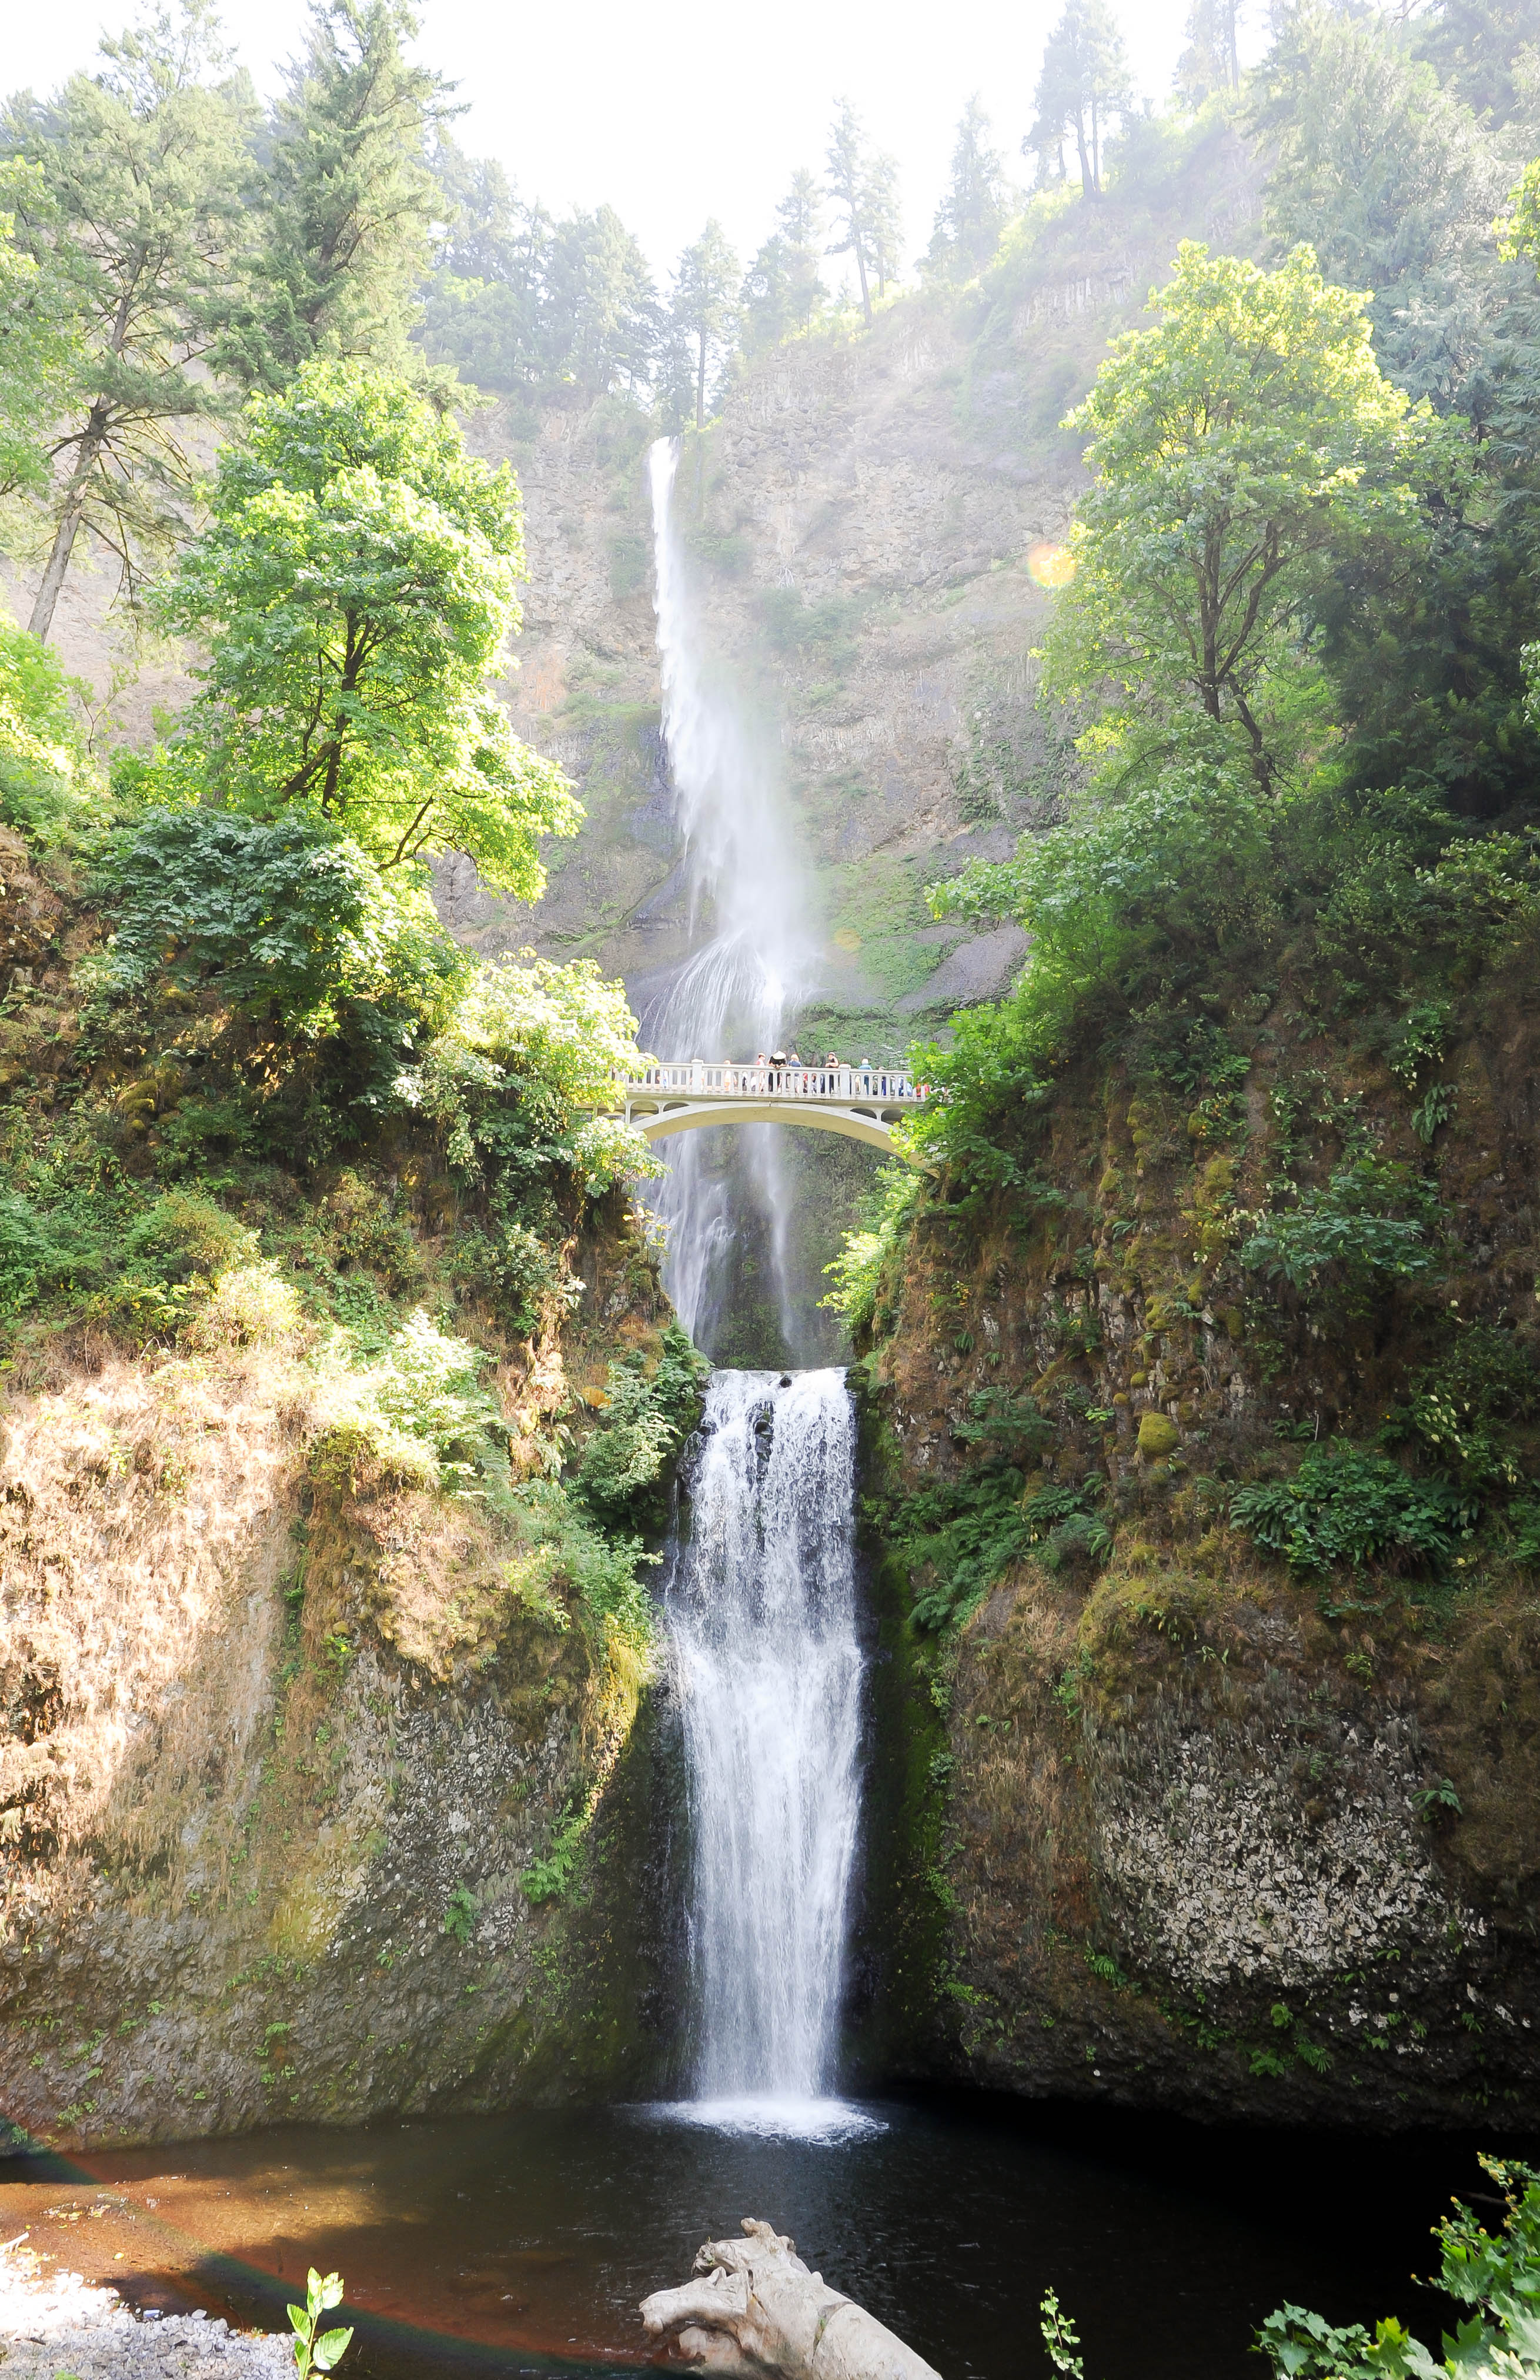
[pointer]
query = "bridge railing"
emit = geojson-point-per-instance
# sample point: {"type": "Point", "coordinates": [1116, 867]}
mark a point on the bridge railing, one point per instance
{"type": "Point", "coordinates": [700, 1075]}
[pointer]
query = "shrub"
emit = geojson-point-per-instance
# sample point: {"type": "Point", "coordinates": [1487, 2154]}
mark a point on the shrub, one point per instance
{"type": "Point", "coordinates": [48, 787]}
{"type": "Point", "coordinates": [646, 1420]}
{"type": "Point", "coordinates": [1497, 2274]}
{"type": "Point", "coordinates": [1343, 1505]}
{"type": "Point", "coordinates": [1366, 1229]}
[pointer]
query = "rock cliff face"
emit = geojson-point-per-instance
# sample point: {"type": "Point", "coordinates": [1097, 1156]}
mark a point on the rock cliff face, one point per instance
{"type": "Point", "coordinates": [307, 1812]}
{"type": "Point", "coordinates": [1169, 1824]}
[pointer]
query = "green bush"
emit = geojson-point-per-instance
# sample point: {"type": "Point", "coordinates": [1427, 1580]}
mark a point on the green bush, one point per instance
{"type": "Point", "coordinates": [49, 790]}
{"type": "Point", "coordinates": [646, 1420]}
{"type": "Point", "coordinates": [1345, 1505]}
{"type": "Point", "coordinates": [1367, 1228]}
{"type": "Point", "coordinates": [1494, 2274]}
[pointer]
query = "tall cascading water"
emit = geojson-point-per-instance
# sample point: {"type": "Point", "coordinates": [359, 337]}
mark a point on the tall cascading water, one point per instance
{"type": "Point", "coordinates": [746, 900]}
{"type": "Point", "coordinates": [760, 1606]}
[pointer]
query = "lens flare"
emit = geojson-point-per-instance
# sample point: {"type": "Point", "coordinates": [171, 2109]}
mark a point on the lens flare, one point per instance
{"type": "Point", "coordinates": [1051, 566]}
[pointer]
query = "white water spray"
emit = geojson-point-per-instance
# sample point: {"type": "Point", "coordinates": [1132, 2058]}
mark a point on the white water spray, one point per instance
{"type": "Point", "coordinates": [762, 1612]}
{"type": "Point", "coordinates": [747, 898]}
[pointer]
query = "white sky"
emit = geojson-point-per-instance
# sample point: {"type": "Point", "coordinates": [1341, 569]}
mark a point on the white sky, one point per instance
{"type": "Point", "coordinates": [705, 109]}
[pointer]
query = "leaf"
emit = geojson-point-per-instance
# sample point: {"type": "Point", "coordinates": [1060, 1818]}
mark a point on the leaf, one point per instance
{"type": "Point", "coordinates": [329, 2347]}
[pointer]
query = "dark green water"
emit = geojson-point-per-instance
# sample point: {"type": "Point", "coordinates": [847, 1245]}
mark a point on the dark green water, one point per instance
{"type": "Point", "coordinates": [502, 2245]}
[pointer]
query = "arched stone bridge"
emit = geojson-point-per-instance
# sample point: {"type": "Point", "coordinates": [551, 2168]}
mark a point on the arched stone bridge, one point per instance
{"type": "Point", "coordinates": [861, 1102]}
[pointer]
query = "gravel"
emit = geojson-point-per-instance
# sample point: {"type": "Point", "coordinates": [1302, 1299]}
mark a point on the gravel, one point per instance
{"type": "Point", "coordinates": [56, 2326]}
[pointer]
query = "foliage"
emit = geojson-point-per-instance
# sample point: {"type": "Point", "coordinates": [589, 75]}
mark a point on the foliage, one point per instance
{"type": "Point", "coordinates": [863, 188]}
{"type": "Point", "coordinates": [1461, 1408]}
{"type": "Point", "coordinates": [461, 1912]}
{"type": "Point", "coordinates": [1083, 88]}
{"type": "Point", "coordinates": [134, 219]}
{"type": "Point", "coordinates": [523, 303]}
{"type": "Point", "coordinates": [1061, 2339]}
{"type": "Point", "coordinates": [423, 1406]}
{"type": "Point", "coordinates": [702, 319]}
{"type": "Point", "coordinates": [564, 1547]}
{"type": "Point", "coordinates": [973, 206]}
{"type": "Point", "coordinates": [285, 918]}
{"type": "Point", "coordinates": [522, 1071]}
{"type": "Point", "coordinates": [314, 2352]}
{"type": "Point", "coordinates": [645, 1420]}
{"type": "Point", "coordinates": [1368, 1226]}
{"type": "Point", "coordinates": [344, 204]}
{"type": "Point", "coordinates": [868, 1261]}
{"type": "Point", "coordinates": [39, 333]}
{"type": "Point", "coordinates": [782, 291]}
{"type": "Point", "coordinates": [968, 1531]}
{"type": "Point", "coordinates": [1241, 449]}
{"type": "Point", "coordinates": [1345, 1505]}
{"type": "Point", "coordinates": [48, 787]}
{"type": "Point", "coordinates": [355, 582]}
{"type": "Point", "coordinates": [1497, 2274]}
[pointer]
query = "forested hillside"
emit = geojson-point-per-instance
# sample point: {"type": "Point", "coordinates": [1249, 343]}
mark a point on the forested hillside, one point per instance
{"type": "Point", "coordinates": [1154, 686]}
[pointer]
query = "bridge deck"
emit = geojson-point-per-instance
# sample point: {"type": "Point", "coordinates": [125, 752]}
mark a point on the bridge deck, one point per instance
{"type": "Point", "coordinates": [860, 1103]}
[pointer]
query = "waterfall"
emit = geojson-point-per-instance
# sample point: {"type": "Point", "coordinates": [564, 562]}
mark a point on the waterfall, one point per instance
{"type": "Point", "coordinates": [748, 911]}
{"type": "Point", "coordinates": [760, 1608]}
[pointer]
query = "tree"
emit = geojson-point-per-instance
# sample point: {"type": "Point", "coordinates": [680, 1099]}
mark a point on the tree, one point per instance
{"type": "Point", "coordinates": [137, 210]}
{"type": "Point", "coordinates": [38, 335]}
{"type": "Point", "coordinates": [972, 214]}
{"type": "Point", "coordinates": [863, 188]}
{"type": "Point", "coordinates": [603, 320]}
{"type": "Point", "coordinates": [1393, 181]}
{"type": "Point", "coordinates": [783, 289]}
{"type": "Point", "coordinates": [703, 310]}
{"type": "Point", "coordinates": [346, 204]}
{"type": "Point", "coordinates": [1082, 88]}
{"type": "Point", "coordinates": [353, 589]}
{"type": "Point", "coordinates": [1211, 60]}
{"type": "Point", "coordinates": [1242, 447]}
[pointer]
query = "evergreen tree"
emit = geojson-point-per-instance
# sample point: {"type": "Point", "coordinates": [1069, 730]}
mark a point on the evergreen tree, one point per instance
{"type": "Point", "coordinates": [863, 188]}
{"type": "Point", "coordinates": [783, 289]}
{"type": "Point", "coordinates": [973, 212]}
{"type": "Point", "coordinates": [703, 313]}
{"type": "Point", "coordinates": [135, 214]}
{"type": "Point", "coordinates": [1082, 91]}
{"type": "Point", "coordinates": [518, 301]}
{"type": "Point", "coordinates": [348, 201]}
{"type": "Point", "coordinates": [40, 334]}
{"type": "Point", "coordinates": [1211, 60]}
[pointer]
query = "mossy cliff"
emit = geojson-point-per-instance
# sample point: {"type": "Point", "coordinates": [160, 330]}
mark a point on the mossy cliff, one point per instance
{"type": "Point", "coordinates": [1205, 1829]}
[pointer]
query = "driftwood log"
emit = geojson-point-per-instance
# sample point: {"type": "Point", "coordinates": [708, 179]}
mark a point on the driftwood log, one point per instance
{"type": "Point", "coordinates": [756, 2308]}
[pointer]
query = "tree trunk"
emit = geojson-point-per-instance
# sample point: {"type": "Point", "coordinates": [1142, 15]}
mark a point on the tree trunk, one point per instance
{"type": "Point", "coordinates": [92, 440]}
{"type": "Point", "coordinates": [1087, 171]}
{"type": "Point", "coordinates": [700, 387]}
{"type": "Point", "coordinates": [861, 269]}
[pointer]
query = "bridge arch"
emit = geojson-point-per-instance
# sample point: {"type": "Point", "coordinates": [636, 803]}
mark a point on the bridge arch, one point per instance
{"type": "Point", "coordinates": [859, 1103]}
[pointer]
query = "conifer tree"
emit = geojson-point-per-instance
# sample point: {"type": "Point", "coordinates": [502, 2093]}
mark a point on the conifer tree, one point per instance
{"type": "Point", "coordinates": [1082, 89]}
{"type": "Point", "coordinates": [134, 214]}
{"type": "Point", "coordinates": [1211, 60]}
{"type": "Point", "coordinates": [972, 214]}
{"type": "Point", "coordinates": [348, 202]}
{"type": "Point", "coordinates": [863, 188]}
{"type": "Point", "coordinates": [783, 289]}
{"type": "Point", "coordinates": [703, 314]}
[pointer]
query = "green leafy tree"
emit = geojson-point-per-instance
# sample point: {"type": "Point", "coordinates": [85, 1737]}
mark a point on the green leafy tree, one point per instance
{"type": "Point", "coordinates": [973, 212]}
{"type": "Point", "coordinates": [863, 188]}
{"type": "Point", "coordinates": [703, 310]}
{"type": "Point", "coordinates": [346, 206]}
{"type": "Point", "coordinates": [354, 586]}
{"type": "Point", "coordinates": [784, 291]}
{"type": "Point", "coordinates": [1240, 448]}
{"type": "Point", "coordinates": [1082, 91]}
{"type": "Point", "coordinates": [137, 210]}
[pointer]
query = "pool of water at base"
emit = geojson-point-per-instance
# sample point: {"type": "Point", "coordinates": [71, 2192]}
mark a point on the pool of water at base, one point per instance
{"type": "Point", "coordinates": [523, 2242]}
